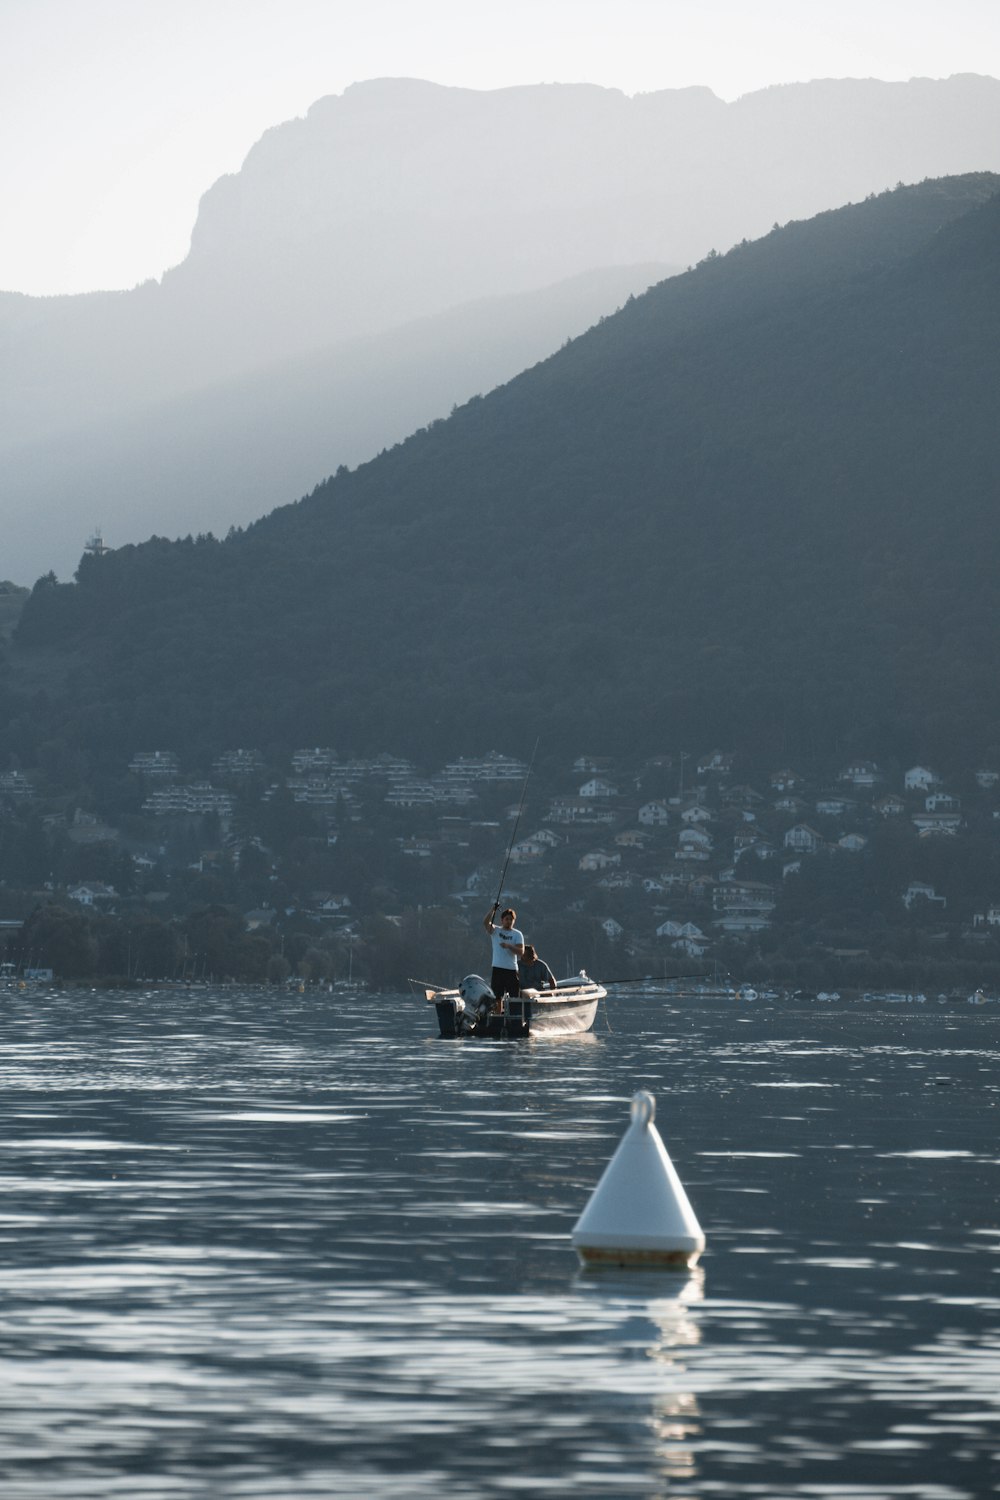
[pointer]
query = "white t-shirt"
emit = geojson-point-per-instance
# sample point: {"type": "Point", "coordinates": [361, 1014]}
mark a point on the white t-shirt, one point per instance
{"type": "Point", "coordinates": [502, 957]}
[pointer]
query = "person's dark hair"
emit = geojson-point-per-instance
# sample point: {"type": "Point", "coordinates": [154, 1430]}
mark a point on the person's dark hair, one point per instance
{"type": "Point", "coordinates": [529, 953]}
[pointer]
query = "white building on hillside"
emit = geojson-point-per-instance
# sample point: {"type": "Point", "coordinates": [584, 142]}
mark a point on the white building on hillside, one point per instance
{"type": "Point", "coordinates": [920, 779]}
{"type": "Point", "coordinates": [598, 787]}
{"type": "Point", "coordinates": [804, 839]}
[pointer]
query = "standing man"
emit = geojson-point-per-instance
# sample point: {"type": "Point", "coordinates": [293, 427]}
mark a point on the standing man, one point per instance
{"type": "Point", "coordinates": [508, 945]}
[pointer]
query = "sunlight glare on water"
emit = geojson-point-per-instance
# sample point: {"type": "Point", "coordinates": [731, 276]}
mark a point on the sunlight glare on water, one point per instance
{"type": "Point", "coordinates": [254, 1245]}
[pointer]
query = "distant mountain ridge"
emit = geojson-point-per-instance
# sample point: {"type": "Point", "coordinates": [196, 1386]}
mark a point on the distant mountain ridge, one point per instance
{"type": "Point", "coordinates": [755, 507]}
{"type": "Point", "coordinates": [225, 455]}
{"type": "Point", "coordinates": [508, 189]}
{"type": "Point", "coordinates": [402, 200]}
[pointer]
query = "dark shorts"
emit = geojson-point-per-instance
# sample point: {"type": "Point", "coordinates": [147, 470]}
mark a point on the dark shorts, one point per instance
{"type": "Point", "coordinates": [505, 982]}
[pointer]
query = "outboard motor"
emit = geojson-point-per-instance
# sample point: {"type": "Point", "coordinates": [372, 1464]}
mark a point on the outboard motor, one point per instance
{"type": "Point", "coordinates": [465, 1012]}
{"type": "Point", "coordinates": [478, 996]}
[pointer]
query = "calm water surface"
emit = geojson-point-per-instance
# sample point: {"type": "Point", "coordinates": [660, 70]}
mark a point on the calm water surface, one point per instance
{"type": "Point", "coordinates": [255, 1246]}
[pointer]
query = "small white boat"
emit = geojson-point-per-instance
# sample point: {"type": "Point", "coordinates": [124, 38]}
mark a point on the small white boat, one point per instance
{"type": "Point", "coordinates": [472, 1010]}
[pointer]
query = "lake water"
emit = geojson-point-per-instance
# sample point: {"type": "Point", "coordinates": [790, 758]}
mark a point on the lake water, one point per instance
{"type": "Point", "coordinates": [256, 1246]}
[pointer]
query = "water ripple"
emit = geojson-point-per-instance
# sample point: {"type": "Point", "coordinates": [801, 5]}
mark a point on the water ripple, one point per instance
{"type": "Point", "coordinates": [254, 1250]}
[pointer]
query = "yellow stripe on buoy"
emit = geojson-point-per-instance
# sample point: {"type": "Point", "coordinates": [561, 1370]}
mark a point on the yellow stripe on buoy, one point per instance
{"type": "Point", "coordinates": [639, 1214]}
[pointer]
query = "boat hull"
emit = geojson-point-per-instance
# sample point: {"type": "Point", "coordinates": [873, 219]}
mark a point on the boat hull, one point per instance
{"type": "Point", "coordinates": [567, 1011]}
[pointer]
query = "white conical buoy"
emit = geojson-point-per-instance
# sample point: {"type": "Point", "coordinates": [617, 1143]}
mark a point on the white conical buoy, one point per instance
{"type": "Point", "coordinates": [639, 1214]}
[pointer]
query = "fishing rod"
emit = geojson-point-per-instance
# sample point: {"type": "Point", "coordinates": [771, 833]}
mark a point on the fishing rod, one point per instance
{"type": "Point", "coordinates": [517, 820]}
{"type": "Point", "coordinates": [659, 979]}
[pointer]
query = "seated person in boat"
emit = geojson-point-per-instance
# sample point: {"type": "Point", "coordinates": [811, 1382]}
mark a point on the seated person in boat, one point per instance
{"type": "Point", "coordinates": [508, 945]}
{"type": "Point", "coordinates": [533, 972]}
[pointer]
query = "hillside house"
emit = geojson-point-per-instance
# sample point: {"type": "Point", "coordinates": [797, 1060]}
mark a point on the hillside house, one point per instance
{"type": "Point", "coordinates": [693, 843]}
{"type": "Point", "coordinates": [457, 793]}
{"type": "Point", "coordinates": [92, 893]}
{"type": "Point", "coordinates": [716, 763]}
{"type": "Point", "coordinates": [804, 839]}
{"type": "Point", "coordinates": [155, 763]}
{"type": "Point", "coordinates": [675, 929]}
{"type": "Point", "coordinates": [932, 824]}
{"type": "Point", "coordinates": [785, 781]}
{"type": "Point", "coordinates": [834, 807]}
{"type": "Point", "coordinates": [598, 859]}
{"type": "Point", "coordinates": [15, 784]}
{"type": "Point", "coordinates": [491, 767]}
{"type": "Point", "coordinates": [416, 848]}
{"type": "Point", "coordinates": [942, 802]}
{"type": "Point", "coordinates": [239, 763]}
{"type": "Point", "coordinates": [327, 905]}
{"type": "Point", "coordinates": [192, 801]}
{"type": "Point", "coordinates": [988, 918]}
{"type": "Point", "coordinates": [548, 838]}
{"type": "Point", "coordinates": [852, 843]}
{"type": "Point", "coordinates": [695, 815]}
{"type": "Point", "coordinates": [987, 779]}
{"type": "Point", "coordinates": [701, 887]}
{"type": "Point", "coordinates": [740, 796]}
{"type": "Point", "coordinates": [793, 805]}
{"type": "Point", "coordinates": [890, 806]}
{"type": "Point", "coordinates": [861, 773]}
{"type": "Point", "coordinates": [579, 810]}
{"type": "Point", "coordinates": [742, 923]}
{"type": "Point", "coordinates": [591, 765]}
{"type": "Point", "coordinates": [919, 891]}
{"type": "Point", "coordinates": [743, 907]}
{"type": "Point", "coordinates": [654, 814]}
{"type": "Point", "coordinates": [317, 759]}
{"type": "Point", "coordinates": [759, 848]}
{"type": "Point", "coordinates": [614, 930]}
{"type": "Point", "coordinates": [262, 916]}
{"type": "Point", "coordinates": [744, 895]}
{"type": "Point", "coordinates": [692, 947]}
{"type": "Point", "coordinates": [598, 787]}
{"type": "Point", "coordinates": [632, 838]}
{"type": "Point", "coordinates": [326, 791]}
{"type": "Point", "coordinates": [920, 779]}
{"type": "Point", "coordinates": [668, 929]}
{"type": "Point", "coordinates": [525, 851]}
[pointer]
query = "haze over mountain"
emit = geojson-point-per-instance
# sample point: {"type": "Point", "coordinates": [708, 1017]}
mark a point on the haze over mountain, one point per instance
{"type": "Point", "coordinates": [219, 457]}
{"type": "Point", "coordinates": [398, 201]}
{"type": "Point", "coordinates": [756, 507]}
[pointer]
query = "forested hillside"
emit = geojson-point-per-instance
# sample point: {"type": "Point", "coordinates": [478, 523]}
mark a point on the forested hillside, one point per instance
{"type": "Point", "coordinates": [755, 507]}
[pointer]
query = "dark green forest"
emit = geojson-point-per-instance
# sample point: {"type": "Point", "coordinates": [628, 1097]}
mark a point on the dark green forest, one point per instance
{"type": "Point", "coordinates": [756, 505]}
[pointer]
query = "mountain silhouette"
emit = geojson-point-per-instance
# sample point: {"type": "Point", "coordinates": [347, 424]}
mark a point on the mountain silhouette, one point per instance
{"type": "Point", "coordinates": [395, 202]}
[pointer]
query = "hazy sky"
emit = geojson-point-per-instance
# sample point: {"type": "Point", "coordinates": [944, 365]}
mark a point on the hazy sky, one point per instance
{"type": "Point", "coordinates": [117, 115]}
